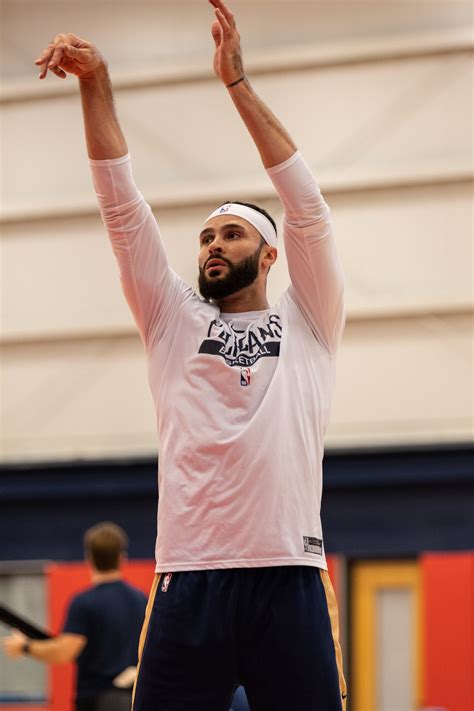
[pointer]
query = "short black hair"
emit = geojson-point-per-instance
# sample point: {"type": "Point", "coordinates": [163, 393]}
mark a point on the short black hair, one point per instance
{"type": "Point", "coordinates": [254, 207]}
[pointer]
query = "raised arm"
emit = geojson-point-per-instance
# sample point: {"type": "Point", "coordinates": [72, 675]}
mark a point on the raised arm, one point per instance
{"type": "Point", "coordinates": [151, 288]}
{"type": "Point", "coordinates": [273, 141]}
{"type": "Point", "coordinates": [69, 54]}
{"type": "Point", "coordinates": [316, 276]}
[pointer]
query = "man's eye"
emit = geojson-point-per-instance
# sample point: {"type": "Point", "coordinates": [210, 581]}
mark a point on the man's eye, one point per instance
{"type": "Point", "coordinates": [232, 235]}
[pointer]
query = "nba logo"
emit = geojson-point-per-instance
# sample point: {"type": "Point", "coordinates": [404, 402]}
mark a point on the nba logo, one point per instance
{"type": "Point", "coordinates": [245, 377]}
{"type": "Point", "coordinates": [166, 582]}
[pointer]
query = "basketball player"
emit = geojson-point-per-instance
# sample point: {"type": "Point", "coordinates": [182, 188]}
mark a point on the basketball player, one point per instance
{"type": "Point", "coordinates": [242, 391]}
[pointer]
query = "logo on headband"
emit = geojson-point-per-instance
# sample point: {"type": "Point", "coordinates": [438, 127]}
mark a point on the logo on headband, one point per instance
{"type": "Point", "coordinates": [225, 208]}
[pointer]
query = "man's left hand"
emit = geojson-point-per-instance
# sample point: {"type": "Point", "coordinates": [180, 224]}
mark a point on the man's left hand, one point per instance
{"type": "Point", "coordinates": [228, 62]}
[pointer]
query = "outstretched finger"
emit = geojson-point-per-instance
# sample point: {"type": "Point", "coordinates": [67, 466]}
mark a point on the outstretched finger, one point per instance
{"type": "Point", "coordinates": [56, 57]}
{"type": "Point", "coordinates": [226, 28]}
{"type": "Point", "coordinates": [43, 68]}
{"type": "Point", "coordinates": [42, 61]}
{"type": "Point", "coordinates": [228, 14]}
{"type": "Point", "coordinates": [45, 55]}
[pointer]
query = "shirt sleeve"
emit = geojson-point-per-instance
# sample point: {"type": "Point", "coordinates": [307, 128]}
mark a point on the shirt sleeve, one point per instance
{"type": "Point", "coordinates": [77, 620]}
{"type": "Point", "coordinates": [315, 272]}
{"type": "Point", "coordinates": [153, 291]}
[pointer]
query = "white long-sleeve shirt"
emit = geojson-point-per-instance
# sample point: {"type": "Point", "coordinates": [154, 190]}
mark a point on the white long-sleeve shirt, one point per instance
{"type": "Point", "coordinates": [242, 400]}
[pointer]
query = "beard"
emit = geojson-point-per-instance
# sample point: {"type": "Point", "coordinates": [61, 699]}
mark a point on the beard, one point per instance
{"type": "Point", "coordinates": [238, 277]}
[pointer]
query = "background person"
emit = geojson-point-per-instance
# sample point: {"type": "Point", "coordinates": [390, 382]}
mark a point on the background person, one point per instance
{"type": "Point", "coordinates": [101, 630]}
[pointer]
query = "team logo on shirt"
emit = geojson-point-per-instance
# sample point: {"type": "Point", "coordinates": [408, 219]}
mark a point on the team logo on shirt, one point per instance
{"type": "Point", "coordinates": [243, 348]}
{"type": "Point", "coordinates": [245, 374]}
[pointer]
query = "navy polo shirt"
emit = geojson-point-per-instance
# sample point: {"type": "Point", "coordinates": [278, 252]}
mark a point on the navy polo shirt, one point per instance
{"type": "Point", "coordinates": [111, 616]}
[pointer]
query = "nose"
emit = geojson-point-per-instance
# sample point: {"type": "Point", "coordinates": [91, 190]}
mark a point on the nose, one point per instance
{"type": "Point", "coordinates": [215, 246]}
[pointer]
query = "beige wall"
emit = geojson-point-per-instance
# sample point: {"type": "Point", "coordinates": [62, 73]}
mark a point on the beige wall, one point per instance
{"type": "Point", "coordinates": [377, 95]}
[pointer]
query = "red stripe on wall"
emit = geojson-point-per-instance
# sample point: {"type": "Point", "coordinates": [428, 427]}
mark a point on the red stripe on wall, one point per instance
{"type": "Point", "coordinates": [448, 617]}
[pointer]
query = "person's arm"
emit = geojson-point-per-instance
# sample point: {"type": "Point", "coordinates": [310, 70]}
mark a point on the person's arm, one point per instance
{"type": "Point", "coordinates": [273, 141]}
{"type": "Point", "coordinates": [62, 649]}
{"type": "Point", "coordinates": [317, 284]}
{"type": "Point", "coordinates": [69, 54]}
{"type": "Point", "coordinates": [316, 276]}
{"type": "Point", "coordinates": [152, 290]}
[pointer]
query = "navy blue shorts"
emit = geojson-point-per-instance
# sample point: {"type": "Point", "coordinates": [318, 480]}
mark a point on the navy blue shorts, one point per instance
{"type": "Point", "coordinates": [272, 630]}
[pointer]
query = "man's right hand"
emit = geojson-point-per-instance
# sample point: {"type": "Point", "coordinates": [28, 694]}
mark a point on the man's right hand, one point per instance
{"type": "Point", "coordinates": [68, 54]}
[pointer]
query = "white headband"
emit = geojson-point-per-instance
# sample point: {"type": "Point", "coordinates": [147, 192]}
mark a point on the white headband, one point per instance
{"type": "Point", "coordinates": [261, 223]}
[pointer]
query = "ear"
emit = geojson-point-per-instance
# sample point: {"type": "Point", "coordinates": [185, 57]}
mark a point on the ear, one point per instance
{"type": "Point", "coordinates": [270, 255]}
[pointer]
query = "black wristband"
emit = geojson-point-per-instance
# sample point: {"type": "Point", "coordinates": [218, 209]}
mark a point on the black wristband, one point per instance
{"type": "Point", "coordinates": [234, 83]}
{"type": "Point", "coordinates": [26, 647]}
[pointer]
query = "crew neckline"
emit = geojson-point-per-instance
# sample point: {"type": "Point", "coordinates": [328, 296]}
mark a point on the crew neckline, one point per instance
{"type": "Point", "coordinates": [228, 316]}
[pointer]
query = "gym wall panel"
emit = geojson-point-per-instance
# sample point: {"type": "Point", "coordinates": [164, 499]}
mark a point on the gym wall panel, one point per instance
{"type": "Point", "coordinates": [22, 589]}
{"type": "Point", "coordinates": [153, 39]}
{"type": "Point", "coordinates": [76, 396]}
{"type": "Point", "coordinates": [369, 121]}
{"type": "Point", "coordinates": [371, 654]}
{"type": "Point", "coordinates": [448, 638]}
{"type": "Point", "coordinates": [404, 380]}
{"type": "Point", "coordinates": [396, 246]}
{"type": "Point", "coordinates": [67, 398]}
{"type": "Point", "coordinates": [64, 398]}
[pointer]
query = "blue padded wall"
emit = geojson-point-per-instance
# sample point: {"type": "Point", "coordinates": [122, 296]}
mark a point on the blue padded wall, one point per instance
{"type": "Point", "coordinates": [379, 502]}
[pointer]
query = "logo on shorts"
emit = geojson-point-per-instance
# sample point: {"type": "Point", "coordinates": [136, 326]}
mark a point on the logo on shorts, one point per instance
{"type": "Point", "coordinates": [313, 545]}
{"type": "Point", "coordinates": [245, 377]}
{"type": "Point", "coordinates": [166, 582]}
